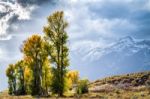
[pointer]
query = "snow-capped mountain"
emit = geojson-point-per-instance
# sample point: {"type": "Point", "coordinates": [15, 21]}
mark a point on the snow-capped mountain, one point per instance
{"type": "Point", "coordinates": [126, 55]}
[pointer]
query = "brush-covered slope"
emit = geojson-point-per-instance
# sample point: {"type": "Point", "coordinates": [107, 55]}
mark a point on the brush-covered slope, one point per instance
{"type": "Point", "coordinates": [129, 86]}
{"type": "Point", "coordinates": [134, 79]}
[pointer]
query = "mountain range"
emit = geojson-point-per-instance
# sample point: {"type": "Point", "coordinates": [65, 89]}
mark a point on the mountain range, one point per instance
{"type": "Point", "coordinates": [126, 55]}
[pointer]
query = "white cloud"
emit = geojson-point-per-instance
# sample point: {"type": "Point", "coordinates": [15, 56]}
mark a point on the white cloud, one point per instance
{"type": "Point", "coordinates": [12, 10]}
{"type": "Point", "coordinates": [5, 37]}
{"type": "Point", "coordinates": [147, 5]}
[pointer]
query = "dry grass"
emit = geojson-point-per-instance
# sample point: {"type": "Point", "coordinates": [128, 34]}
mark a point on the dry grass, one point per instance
{"type": "Point", "coordinates": [120, 94]}
{"type": "Point", "coordinates": [117, 87]}
{"type": "Point", "coordinates": [4, 95]}
{"type": "Point", "coordinates": [117, 94]}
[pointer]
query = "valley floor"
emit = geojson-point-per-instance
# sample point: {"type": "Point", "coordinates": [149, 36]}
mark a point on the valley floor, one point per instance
{"type": "Point", "coordinates": [99, 95]}
{"type": "Point", "coordinates": [130, 86]}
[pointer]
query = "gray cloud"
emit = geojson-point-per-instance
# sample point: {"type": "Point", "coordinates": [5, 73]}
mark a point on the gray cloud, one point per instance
{"type": "Point", "coordinates": [110, 18]}
{"type": "Point", "coordinates": [34, 2]}
{"type": "Point", "coordinates": [13, 11]}
{"type": "Point", "coordinates": [137, 13]}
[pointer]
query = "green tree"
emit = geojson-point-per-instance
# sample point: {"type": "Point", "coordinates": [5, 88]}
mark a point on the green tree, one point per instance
{"type": "Point", "coordinates": [56, 38]}
{"type": "Point", "coordinates": [10, 73]}
{"type": "Point", "coordinates": [20, 70]}
{"type": "Point", "coordinates": [82, 86]}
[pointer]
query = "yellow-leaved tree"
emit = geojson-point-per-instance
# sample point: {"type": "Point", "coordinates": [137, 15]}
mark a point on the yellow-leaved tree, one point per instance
{"type": "Point", "coordinates": [72, 79]}
{"type": "Point", "coordinates": [32, 48]}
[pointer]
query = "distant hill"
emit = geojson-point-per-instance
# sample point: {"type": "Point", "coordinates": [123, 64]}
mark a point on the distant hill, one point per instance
{"type": "Point", "coordinates": [128, 80]}
{"type": "Point", "coordinates": [129, 86]}
{"type": "Point", "coordinates": [125, 55]}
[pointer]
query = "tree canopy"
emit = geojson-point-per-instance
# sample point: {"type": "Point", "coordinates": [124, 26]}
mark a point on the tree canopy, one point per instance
{"type": "Point", "coordinates": [43, 68]}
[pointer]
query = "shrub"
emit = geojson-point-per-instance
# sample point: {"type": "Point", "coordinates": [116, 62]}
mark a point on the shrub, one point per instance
{"type": "Point", "coordinates": [134, 83]}
{"type": "Point", "coordinates": [148, 85]}
{"type": "Point", "coordinates": [82, 87]}
{"type": "Point", "coordinates": [117, 91]}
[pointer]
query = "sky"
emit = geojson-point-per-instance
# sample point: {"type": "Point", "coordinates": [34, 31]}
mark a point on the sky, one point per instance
{"type": "Point", "coordinates": [91, 23]}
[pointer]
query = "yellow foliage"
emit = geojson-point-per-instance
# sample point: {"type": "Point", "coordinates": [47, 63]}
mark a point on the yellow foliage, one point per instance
{"type": "Point", "coordinates": [72, 78]}
{"type": "Point", "coordinates": [32, 46]}
{"type": "Point", "coordinates": [46, 74]}
{"type": "Point", "coordinates": [27, 74]}
{"type": "Point", "coordinates": [73, 75]}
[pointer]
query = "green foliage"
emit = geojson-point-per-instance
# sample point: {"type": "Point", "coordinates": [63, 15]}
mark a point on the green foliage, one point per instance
{"type": "Point", "coordinates": [10, 73]}
{"type": "Point", "coordinates": [57, 86]}
{"type": "Point", "coordinates": [56, 46]}
{"type": "Point", "coordinates": [82, 87]}
{"type": "Point", "coordinates": [20, 69]}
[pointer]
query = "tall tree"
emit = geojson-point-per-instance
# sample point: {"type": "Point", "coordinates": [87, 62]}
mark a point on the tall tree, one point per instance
{"type": "Point", "coordinates": [28, 74]}
{"type": "Point", "coordinates": [56, 38]}
{"type": "Point", "coordinates": [33, 48]}
{"type": "Point", "coordinates": [20, 70]}
{"type": "Point", "coordinates": [10, 72]}
{"type": "Point", "coordinates": [46, 76]}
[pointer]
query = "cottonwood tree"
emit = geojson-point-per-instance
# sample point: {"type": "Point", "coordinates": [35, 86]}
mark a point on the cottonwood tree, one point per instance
{"type": "Point", "coordinates": [56, 38]}
{"type": "Point", "coordinates": [20, 71]}
{"type": "Point", "coordinates": [32, 48]}
{"type": "Point", "coordinates": [28, 79]}
{"type": "Point", "coordinates": [10, 73]}
{"type": "Point", "coordinates": [46, 76]}
{"type": "Point", "coordinates": [72, 79]}
{"type": "Point", "coordinates": [28, 74]}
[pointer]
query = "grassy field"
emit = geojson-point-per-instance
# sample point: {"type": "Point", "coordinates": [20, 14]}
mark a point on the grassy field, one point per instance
{"type": "Point", "coordinates": [99, 95]}
{"type": "Point", "coordinates": [5, 95]}
{"type": "Point", "coordinates": [121, 94]}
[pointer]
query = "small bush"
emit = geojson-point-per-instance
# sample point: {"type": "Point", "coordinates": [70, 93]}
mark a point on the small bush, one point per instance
{"type": "Point", "coordinates": [82, 87]}
{"type": "Point", "coordinates": [148, 85]}
{"type": "Point", "coordinates": [117, 91]}
{"type": "Point", "coordinates": [134, 82]}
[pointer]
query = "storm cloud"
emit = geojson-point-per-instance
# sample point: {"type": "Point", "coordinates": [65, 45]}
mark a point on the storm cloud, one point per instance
{"type": "Point", "coordinates": [13, 11]}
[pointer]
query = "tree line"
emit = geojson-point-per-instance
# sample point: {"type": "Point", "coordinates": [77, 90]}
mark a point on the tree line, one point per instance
{"type": "Point", "coordinates": [44, 66]}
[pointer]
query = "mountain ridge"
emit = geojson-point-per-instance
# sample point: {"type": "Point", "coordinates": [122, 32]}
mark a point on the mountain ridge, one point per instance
{"type": "Point", "coordinates": [126, 55]}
